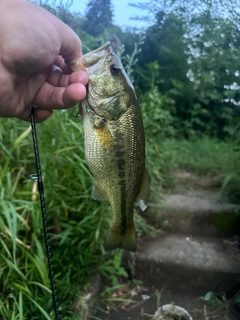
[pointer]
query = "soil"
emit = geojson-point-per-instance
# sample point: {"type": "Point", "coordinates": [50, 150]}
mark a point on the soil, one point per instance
{"type": "Point", "coordinates": [148, 299]}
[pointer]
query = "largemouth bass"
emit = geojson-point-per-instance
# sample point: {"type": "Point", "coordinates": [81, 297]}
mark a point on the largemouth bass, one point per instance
{"type": "Point", "coordinates": [114, 142]}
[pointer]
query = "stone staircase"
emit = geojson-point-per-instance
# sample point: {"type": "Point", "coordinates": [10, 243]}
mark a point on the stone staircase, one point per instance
{"type": "Point", "coordinates": [198, 252]}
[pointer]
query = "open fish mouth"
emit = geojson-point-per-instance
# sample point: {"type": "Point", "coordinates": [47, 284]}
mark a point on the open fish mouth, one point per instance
{"type": "Point", "coordinates": [91, 58]}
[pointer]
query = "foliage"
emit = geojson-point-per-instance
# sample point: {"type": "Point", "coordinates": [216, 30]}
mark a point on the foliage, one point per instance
{"type": "Point", "coordinates": [194, 47]}
{"type": "Point", "coordinates": [203, 155]}
{"type": "Point", "coordinates": [158, 125]}
{"type": "Point", "coordinates": [213, 71]}
{"type": "Point", "coordinates": [184, 68]}
{"type": "Point", "coordinates": [98, 17]}
{"type": "Point", "coordinates": [164, 44]}
{"type": "Point", "coordinates": [197, 53]}
{"type": "Point", "coordinates": [231, 185]}
{"type": "Point", "coordinates": [213, 300]}
{"type": "Point", "coordinates": [188, 10]}
{"type": "Point", "coordinates": [130, 60]}
{"type": "Point", "coordinates": [219, 300]}
{"type": "Point", "coordinates": [77, 223]}
{"type": "Point", "coordinates": [156, 114]}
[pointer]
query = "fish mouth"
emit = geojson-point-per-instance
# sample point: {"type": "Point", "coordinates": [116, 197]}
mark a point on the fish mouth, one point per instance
{"type": "Point", "coordinates": [92, 62]}
{"type": "Point", "coordinates": [93, 57]}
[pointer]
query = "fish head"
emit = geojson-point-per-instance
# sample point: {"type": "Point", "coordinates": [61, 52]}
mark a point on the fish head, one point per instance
{"type": "Point", "coordinates": [110, 91]}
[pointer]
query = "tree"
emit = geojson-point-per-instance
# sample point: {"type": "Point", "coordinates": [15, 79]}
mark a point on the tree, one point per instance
{"type": "Point", "coordinates": [98, 17]}
{"type": "Point", "coordinates": [188, 10]}
{"type": "Point", "coordinates": [196, 48]}
{"type": "Point", "coordinates": [213, 55]}
{"type": "Point", "coordinates": [164, 44]}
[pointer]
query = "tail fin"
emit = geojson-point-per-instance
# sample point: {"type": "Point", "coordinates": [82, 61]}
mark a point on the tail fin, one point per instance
{"type": "Point", "coordinates": [116, 239]}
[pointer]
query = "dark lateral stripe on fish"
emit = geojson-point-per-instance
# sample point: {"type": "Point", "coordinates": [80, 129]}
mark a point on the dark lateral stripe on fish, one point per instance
{"type": "Point", "coordinates": [120, 153]}
{"type": "Point", "coordinates": [121, 173]}
{"type": "Point", "coordinates": [121, 164]}
{"type": "Point", "coordinates": [123, 206]}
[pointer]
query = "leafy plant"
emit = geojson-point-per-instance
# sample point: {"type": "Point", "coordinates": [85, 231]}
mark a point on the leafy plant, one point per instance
{"type": "Point", "coordinates": [219, 301]}
{"type": "Point", "coordinates": [203, 155]}
{"type": "Point", "coordinates": [77, 223]}
{"type": "Point", "coordinates": [214, 300]}
{"type": "Point", "coordinates": [231, 184]}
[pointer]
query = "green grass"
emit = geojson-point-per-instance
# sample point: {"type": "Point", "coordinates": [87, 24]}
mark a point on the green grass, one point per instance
{"type": "Point", "coordinates": [203, 156]}
{"type": "Point", "coordinates": [77, 223]}
{"type": "Point", "coordinates": [208, 157]}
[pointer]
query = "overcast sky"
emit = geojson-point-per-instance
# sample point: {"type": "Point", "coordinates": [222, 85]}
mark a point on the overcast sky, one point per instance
{"type": "Point", "coordinates": [122, 12]}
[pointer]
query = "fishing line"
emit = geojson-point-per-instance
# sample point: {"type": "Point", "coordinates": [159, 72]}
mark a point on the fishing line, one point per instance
{"type": "Point", "coordinates": [38, 178]}
{"type": "Point", "coordinates": [86, 47]}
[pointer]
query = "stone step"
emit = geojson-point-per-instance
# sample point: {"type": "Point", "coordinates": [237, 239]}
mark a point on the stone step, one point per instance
{"type": "Point", "coordinates": [199, 213]}
{"type": "Point", "coordinates": [188, 264]}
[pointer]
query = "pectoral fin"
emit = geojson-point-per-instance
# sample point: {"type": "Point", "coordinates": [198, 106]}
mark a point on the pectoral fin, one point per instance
{"type": "Point", "coordinates": [97, 192]}
{"type": "Point", "coordinates": [142, 198]}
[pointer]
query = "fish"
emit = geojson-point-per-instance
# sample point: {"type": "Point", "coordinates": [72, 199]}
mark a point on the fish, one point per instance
{"type": "Point", "coordinates": [114, 143]}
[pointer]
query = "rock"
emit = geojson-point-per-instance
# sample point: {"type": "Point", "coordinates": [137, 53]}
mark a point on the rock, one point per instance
{"type": "Point", "coordinates": [200, 213]}
{"type": "Point", "coordinates": [190, 264]}
{"type": "Point", "coordinates": [171, 311]}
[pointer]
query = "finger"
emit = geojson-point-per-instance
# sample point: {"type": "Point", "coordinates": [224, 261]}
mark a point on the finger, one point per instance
{"type": "Point", "coordinates": [79, 77]}
{"type": "Point", "coordinates": [50, 97]}
{"type": "Point", "coordinates": [59, 61]}
{"type": "Point", "coordinates": [57, 78]}
{"type": "Point", "coordinates": [40, 114]}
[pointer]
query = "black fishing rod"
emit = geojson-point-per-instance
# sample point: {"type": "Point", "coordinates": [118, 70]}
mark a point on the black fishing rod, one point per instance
{"type": "Point", "coordinates": [38, 178]}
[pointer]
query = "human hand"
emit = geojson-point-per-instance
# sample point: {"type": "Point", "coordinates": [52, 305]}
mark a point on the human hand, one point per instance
{"type": "Point", "coordinates": [35, 49]}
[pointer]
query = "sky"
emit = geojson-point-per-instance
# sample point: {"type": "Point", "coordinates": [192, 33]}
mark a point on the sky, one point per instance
{"type": "Point", "coordinates": [122, 12]}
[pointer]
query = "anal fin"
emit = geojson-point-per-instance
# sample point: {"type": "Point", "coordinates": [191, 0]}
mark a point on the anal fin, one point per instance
{"type": "Point", "coordinates": [143, 195]}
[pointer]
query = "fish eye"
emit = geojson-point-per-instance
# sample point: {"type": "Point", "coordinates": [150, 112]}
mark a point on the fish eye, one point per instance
{"type": "Point", "coordinates": [114, 69]}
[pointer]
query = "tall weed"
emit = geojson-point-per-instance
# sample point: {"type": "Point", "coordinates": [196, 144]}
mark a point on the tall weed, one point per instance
{"type": "Point", "coordinates": [231, 185]}
{"type": "Point", "coordinates": [203, 156]}
{"type": "Point", "coordinates": [77, 223]}
{"type": "Point", "coordinates": [158, 129]}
